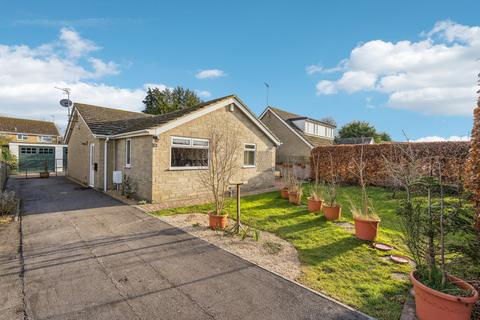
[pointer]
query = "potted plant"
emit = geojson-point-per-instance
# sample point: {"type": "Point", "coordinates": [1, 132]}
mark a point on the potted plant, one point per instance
{"type": "Point", "coordinates": [430, 221]}
{"type": "Point", "coordinates": [366, 221]}
{"type": "Point", "coordinates": [45, 173]}
{"type": "Point", "coordinates": [285, 183]}
{"type": "Point", "coordinates": [295, 191]}
{"type": "Point", "coordinates": [331, 209]}
{"type": "Point", "coordinates": [315, 200]}
{"type": "Point", "coordinates": [223, 163]}
{"type": "Point", "coordinates": [438, 295]}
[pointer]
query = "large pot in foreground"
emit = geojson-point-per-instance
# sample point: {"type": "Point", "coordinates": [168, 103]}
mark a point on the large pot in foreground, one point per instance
{"type": "Point", "coordinates": [332, 213]}
{"type": "Point", "coordinates": [314, 205]}
{"type": "Point", "coordinates": [366, 229]}
{"type": "Point", "coordinates": [217, 221]}
{"type": "Point", "coordinates": [433, 304]}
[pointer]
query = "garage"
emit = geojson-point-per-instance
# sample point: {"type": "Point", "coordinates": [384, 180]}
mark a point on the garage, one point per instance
{"type": "Point", "coordinates": [34, 158]}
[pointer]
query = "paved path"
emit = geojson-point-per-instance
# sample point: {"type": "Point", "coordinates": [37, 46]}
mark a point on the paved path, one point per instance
{"type": "Point", "coordinates": [89, 257]}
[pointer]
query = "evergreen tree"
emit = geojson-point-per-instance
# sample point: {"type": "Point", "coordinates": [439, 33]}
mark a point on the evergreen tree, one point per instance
{"type": "Point", "coordinates": [164, 101]}
{"type": "Point", "coordinates": [362, 129]}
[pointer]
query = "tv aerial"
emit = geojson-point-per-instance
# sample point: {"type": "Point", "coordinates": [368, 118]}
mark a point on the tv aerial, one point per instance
{"type": "Point", "coordinates": [66, 103]}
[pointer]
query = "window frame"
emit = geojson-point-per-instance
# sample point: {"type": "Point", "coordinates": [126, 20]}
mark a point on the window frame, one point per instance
{"type": "Point", "coordinates": [128, 153]}
{"type": "Point", "coordinates": [22, 136]}
{"type": "Point", "coordinates": [189, 146]}
{"type": "Point", "coordinates": [254, 155]}
{"type": "Point", "coordinates": [42, 139]}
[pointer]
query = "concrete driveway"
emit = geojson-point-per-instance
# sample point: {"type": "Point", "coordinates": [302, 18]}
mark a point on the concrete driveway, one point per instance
{"type": "Point", "coordinates": [86, 256]}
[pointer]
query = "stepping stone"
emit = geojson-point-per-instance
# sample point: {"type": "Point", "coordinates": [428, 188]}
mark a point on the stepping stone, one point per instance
{"type": "Point", "coordinates": [382, 246]}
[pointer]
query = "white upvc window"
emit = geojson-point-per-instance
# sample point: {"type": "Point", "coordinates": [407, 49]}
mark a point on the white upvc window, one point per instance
{"type": "Point", "coordinates": [189, 153]}
{"type": "Point", "coordinates": [128, 153]}
{"type": "Point", "coordinates": [22, 136]}
{"type": "Point", "coordinates": [47, 139]}
{"type": "Point", "coordinates": [249, 155]}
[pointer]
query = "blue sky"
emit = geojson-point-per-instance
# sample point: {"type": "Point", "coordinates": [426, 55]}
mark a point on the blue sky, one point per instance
{"type": "Point", "coordinates": [408, 65]}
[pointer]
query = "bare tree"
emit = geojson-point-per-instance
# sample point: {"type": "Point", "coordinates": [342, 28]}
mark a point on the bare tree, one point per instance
{"type": "Point", "coordinates": [223, 163]}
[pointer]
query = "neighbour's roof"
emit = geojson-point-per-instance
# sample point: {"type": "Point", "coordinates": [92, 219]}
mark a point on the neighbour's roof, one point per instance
{"type": "Point", "coordinates": [16, 125]}
{"type": "Point", "coordinates": [367, 140]}
{"type": "Point", "coordinates": [289, 117]}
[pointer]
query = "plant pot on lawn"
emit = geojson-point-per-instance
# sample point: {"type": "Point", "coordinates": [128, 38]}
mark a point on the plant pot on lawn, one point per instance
{"type": "Point", "coordinates": [44, 174]}
{"type": "Point", "coordinates": [295, 197]}
{"type": "Point", "coordinates": [332, 213]}
{"type": "Point", "coordinates": [284, 193]}
{"type": "Point", "coordinates": [314, 205]}
{"type": "Point", "coordinates": [366, 228]}
{"type": "Point", "coordinates": [217, 222]}
{"type": "Point", "coordinates": [433, 304]}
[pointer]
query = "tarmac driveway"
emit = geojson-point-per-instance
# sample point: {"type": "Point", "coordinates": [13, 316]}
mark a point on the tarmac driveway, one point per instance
{"type": "Point", "coordinates": [86, 256]}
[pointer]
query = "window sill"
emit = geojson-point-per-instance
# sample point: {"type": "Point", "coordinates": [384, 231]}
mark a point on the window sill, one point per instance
{"type": "Point", "coordinates": [248, 167]}
{"type": "Point", "coordinates": [187, 168]}
{"type": "Point", "coordinates": [128, 166]}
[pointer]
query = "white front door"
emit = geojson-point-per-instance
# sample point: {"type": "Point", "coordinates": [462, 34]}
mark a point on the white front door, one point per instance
{"type": "Point", "coordinates": [91, 165]}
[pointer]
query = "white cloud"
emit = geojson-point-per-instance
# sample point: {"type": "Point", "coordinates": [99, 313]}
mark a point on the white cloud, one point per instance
{"type": "Point", "coordinates": [203, 93]}
{"type": "Point", "coordinates": [75, 45]}
{"type": "Point", "coordinates": [210, 74]}
{"type": "Point", "coordinates": [312, 69]}
{"type": "Point", "coordinates": [438, 139]}
{"type": "Point", "coordinates": [30, 74]}
{"type": "Point", "coordinates": [436, 75]}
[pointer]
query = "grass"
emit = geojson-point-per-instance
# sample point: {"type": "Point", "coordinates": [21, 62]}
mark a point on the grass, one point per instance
{"type": "Point", "coordinates": [333, 260]}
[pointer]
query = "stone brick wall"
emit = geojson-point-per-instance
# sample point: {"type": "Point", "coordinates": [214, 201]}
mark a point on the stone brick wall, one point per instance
{"type": "Point", "coordinates": [140, 170]}
{"type": "Point", "coordinates": [78, 152]}
{"type": "Point", "coordinates": [171, 185]}
{"type": "Point", "coordinates": [293, 149]}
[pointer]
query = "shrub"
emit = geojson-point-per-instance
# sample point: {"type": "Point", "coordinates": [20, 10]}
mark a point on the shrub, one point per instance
{"type": "Point", "coordinates": [8, 203]}
{"type": "Point", "coordinates": [452, 156]}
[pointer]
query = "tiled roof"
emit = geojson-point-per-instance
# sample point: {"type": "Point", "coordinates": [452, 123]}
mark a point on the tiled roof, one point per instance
{"type": "Point", "coordinates": [106, 121]}
{"type": "Point", "coordinates": [288, 117]}
{"type": "Point", "coordinates": [367, 140]}
{"type": "Point", "coordinates": [15, 125]}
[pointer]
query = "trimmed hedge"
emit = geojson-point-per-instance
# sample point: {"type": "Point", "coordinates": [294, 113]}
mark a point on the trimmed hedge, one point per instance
{"type": "Point", "coordinates": [452, 154]}
{"type": "Point", "coordinates": [473, 164]}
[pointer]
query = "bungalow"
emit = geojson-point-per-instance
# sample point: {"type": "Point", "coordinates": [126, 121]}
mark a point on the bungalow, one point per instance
{"type": "Point", "coordinates": [34, 142]}
{"type": "Point", "coordinates": [162, 155]}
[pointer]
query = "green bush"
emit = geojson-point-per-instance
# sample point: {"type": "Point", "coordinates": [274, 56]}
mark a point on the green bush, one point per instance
{"type": "Point", "coordinates": [8, 203]}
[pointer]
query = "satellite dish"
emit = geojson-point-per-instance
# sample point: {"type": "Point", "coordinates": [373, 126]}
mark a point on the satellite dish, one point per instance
{"type": "Point", "coordinates": [66, 103]}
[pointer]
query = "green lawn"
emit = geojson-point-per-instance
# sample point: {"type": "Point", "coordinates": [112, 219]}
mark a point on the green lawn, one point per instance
{"type": "Point", "coordinates": [333, 260]}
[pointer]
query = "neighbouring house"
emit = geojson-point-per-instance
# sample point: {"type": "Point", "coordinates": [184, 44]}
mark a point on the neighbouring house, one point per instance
{"type": "Point", "coordinates": [367, 140]}
{"type": "Point", "coordinates": [163, 155]}
{"type": "Point", "coordinates": [34, 143]}
{"type": "Point", "coordinates": [299, 135]}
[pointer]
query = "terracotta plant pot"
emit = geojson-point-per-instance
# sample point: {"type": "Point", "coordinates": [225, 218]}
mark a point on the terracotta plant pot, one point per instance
{"type": "Point", "coordinates": [284, 193]}
{"type": "Point", "coordinates": [44, 174]}
{"type": "Point", "coordinates": [217, 221]}
{"type": "Point", "coordinates": [314, 205]}
{"type": "Point", "coordinates": [332, 213]}
{"type": "Point", "coordinates": [433, 304]}
{"type": "Point", "coordinates": [366, 229]}
{"type": "Point", "coordinates": [295, 198]}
